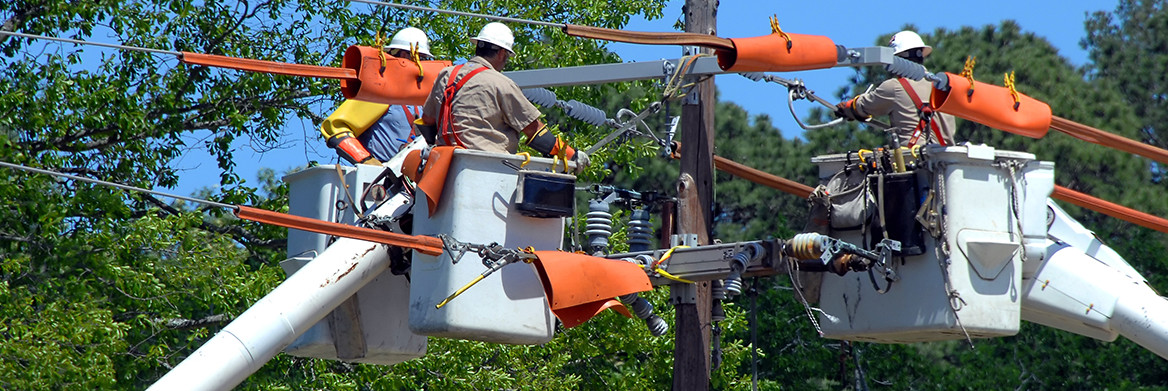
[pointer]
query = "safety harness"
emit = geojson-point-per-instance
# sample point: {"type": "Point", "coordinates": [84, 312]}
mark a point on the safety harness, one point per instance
{"type": "Point", "coordinates": [410, 117]}
{"type": "Point", "coordinates": [925, 112]}
{"type": "Point", "coordinates": [446, 119]}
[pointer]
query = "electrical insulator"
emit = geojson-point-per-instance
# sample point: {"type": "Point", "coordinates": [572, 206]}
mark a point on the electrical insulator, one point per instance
{"type": "Point", "coordinates": [641, 308]}
{"type": "Point", "coordinates": [733, 282]}
{"type": "Point", "coordinates": [906, 69]}
{"type": "Point", "coordinates": [582, 111]}
{"type": "Point", "coordinates": [598, 226]}
{"type": "Point", "coordinates": [540, 96]}
{"type": "Point", "coordinates": [717, 290]}
{"type": "Point", "coordinates": [640, 231]}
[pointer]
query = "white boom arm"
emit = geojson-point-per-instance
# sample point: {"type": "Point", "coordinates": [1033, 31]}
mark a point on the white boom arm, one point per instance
{"type": "Point", "coordinates": [1084, 287]}
{"type": "Point", "coordinates": [272, 323]}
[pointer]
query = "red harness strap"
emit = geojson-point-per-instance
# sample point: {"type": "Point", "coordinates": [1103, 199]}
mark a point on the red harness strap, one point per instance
{"type": "Point", "coordinates": [446, 119]}
{"type": "Point", "coordinates": [925, 112]}
{"type": "Point", "coordinates": [410, 117]}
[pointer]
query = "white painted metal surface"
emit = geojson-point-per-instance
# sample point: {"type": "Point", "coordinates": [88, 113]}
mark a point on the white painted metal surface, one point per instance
{"type": "Point", "coordinates": [383, 304]}
{"type": "Point", "coordinates": [253, 338]}
{"type": "Point", "coordinates": [1098, 294]}
{"type": "Point", "coordinates": [983, 267]}
{"type": "Point", "coordinates": [477, 207]}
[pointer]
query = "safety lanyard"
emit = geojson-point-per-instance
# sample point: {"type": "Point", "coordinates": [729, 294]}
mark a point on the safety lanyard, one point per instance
{"type": "Point", "coordinates": [446, 119]}
{"type": "Point", "coordinates": [924, 111]}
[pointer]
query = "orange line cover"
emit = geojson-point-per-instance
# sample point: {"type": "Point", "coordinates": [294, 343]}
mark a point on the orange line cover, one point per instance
{"type": "Point", "coordinates": [1111, 209]}
{"type": "Point", "coordinates": [424, 244]}
{"type": "Point", "coordinates": [770, 53]}
{"type": "Point", "coordinates": [992, 106]}
{"type": "Point", "coordinates": [398, 83]}
{"type": "Point", "coordinates": [578, 286]}
{"type": "Point", "coordinates": [1092, 135]}
{"type": "Point", "coordinates": [279, 68]}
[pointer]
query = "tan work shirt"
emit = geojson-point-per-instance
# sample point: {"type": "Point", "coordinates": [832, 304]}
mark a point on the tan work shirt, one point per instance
{"type": "Point", "coordinates": [890, 99]}
{"type": "Point", "coordinates": [489, 112]}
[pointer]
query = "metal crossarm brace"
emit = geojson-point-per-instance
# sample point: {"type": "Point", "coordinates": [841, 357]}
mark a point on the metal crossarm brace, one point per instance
{"type": "Point", "coordinates": [708, 263]}
{"type": "Point", "coordinates": [645, 70]}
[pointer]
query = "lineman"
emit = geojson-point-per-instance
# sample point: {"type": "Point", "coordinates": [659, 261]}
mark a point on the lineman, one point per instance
{"type": "Point", "coordinates": [479, 108]}
{"type": "Point", "coordinates": [371, 133]}
{"type": "Point", "coordinates": [904, 101]}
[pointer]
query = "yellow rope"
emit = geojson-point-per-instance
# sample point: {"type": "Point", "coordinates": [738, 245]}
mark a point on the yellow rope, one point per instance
{"type": "Point", "coordinates": [417, 59]}
{"type": "Point", "coordinates": [657, 266]}
{"type": "Point", "coordinates": [967, 71]}
{"type": "Point", "coordinates": [775, 29]}
{"type": "Point", "coordinates": [1009, 80]}
{"type": "Point", "coordinates": [380, 43]}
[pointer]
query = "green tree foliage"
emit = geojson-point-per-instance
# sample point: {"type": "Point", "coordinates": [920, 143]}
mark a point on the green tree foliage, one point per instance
{"type": "Point", "coordinates": [1126, 48]}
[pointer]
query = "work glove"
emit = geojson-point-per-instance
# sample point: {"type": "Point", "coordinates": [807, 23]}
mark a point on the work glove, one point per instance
{"type": "Point", "coordinates": [582, 161]}
{"type": "Point", "coordinates": [847, 110]}
{"type": "Point", "coordinates": [371, 161]}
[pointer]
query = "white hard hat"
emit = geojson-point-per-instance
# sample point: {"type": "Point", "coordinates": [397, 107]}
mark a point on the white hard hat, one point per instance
{"type": "Point", "coordinates": [907, 40]}
{"type": "Point", "coordinates": [410, 36]}
{"type": "Point", "coordinates": [498, 34]}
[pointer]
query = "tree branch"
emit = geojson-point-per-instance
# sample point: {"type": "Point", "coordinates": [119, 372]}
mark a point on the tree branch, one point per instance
{"type": "Point", "coordinates": [187, 324]}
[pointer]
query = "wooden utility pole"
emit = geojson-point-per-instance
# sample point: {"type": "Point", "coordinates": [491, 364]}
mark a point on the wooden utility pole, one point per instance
{"type": "Point", "coordinates": [691, 354]}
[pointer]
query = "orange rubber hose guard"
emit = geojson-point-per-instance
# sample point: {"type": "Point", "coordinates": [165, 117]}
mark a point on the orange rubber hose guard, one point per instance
{"type": "Point", "coordinates": [424, 244]}
{"type": "Point", "coordinates": [992, 106]}
{"type": "Point", "coordinates": [769, 53]}
{"type": "Point", "coordinates": [578, 286]}
{"type": "Point", "coordinates": [1092, 135]}
{"type": "Point", "coordinates": [279, 68]}
{"type": "Point", "coordinates": [1111, 209]}
{"type": "Point", "coordinates": [401, 82]}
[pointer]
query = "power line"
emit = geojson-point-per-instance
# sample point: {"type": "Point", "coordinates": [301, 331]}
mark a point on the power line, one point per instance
{"type": "Point", "coordinates": [81, 42]}
{"type": "Point", "coordinates": [460, 13]}
{"type": "Point", "coordinates": [114, 184]}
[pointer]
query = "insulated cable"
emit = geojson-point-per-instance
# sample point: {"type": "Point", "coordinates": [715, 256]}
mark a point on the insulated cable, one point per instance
{"type": "Point", "coordinates": [461, 13]}
{"type": "Point", "coordinates": [424, 244]}
{"type": "Point", "coordinates": [213, 60]}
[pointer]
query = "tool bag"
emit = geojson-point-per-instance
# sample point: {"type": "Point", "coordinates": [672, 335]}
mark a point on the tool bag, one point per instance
{"type": "Point", "coordinates": [850, 202]}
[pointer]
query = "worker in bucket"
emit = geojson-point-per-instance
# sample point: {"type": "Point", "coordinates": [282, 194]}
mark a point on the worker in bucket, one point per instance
{"type": "Point", "coordinates": [474, 106]}
{"type": "Point", "coordinates": [372, 133]}
{"type": "Point", "coordinates": [904, 101]}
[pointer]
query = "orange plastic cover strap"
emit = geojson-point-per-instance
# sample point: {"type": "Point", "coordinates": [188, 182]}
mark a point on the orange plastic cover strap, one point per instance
{"type": "Point", "coordinates": [279, 68]}
{"type": "Point", "coordinates": [1111, 209]}
{"type": "Point", "coordinates": [433, 177]}
{"type": "Point", "coordinates": [397, 84]}
{"type": "Point", "coordinates": [992, 106]}
{"type": "Point", "coordinates": [1093, 135]}
{"type": "Point", "coordinates": [578, 286]}
{"type": "Point", "coordinates": [769, 53]}
{"type": "Point", "coordinates": [424, 244]}
{"type": "Point", "coordinates": [649, 38]}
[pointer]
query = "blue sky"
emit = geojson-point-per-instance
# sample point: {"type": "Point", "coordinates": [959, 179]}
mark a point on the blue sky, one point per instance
{"type": "Point", "coordinates": [851, 23]}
